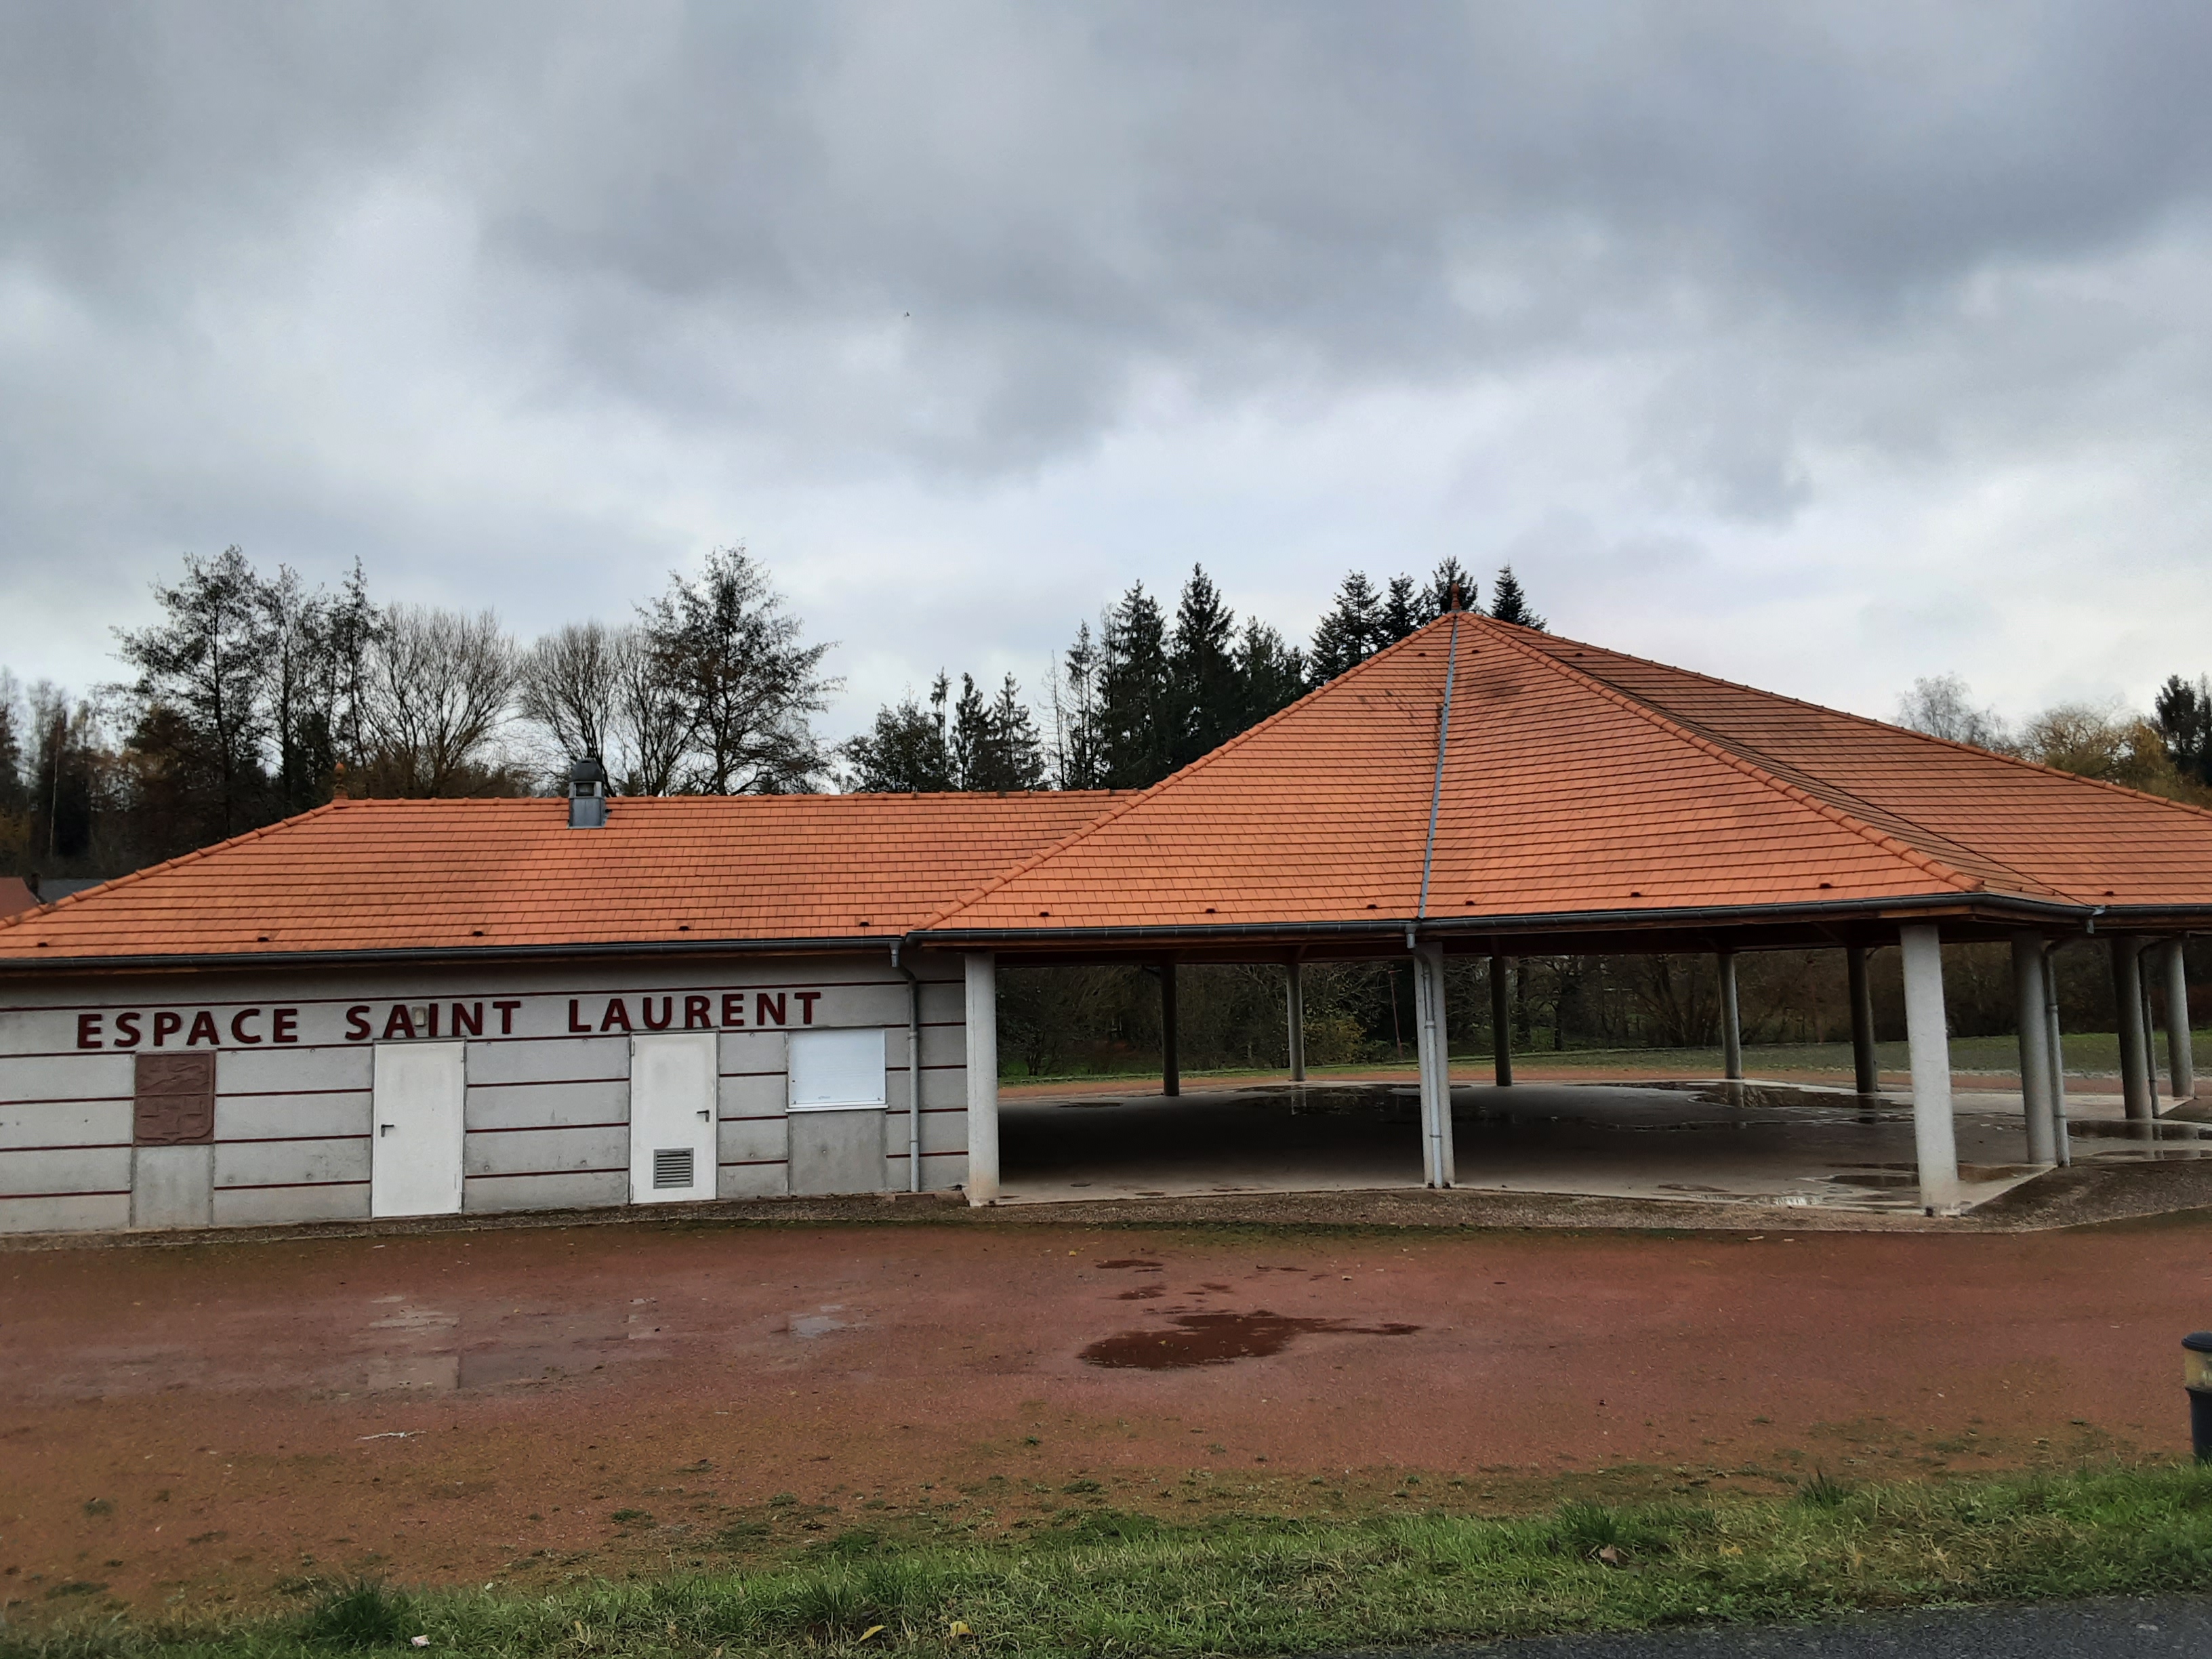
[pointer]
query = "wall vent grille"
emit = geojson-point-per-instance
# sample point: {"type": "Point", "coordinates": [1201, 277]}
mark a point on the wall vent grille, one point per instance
{"type": "Point", "coordinates": [672, 1167]}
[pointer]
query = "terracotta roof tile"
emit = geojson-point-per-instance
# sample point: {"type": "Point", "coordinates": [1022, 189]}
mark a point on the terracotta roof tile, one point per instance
{"type": "Point", "coordinates": [385, 875]}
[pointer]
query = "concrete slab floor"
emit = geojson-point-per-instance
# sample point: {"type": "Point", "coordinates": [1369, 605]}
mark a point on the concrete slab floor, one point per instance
{"type": "Point", "coordinates": [1786, 1145]}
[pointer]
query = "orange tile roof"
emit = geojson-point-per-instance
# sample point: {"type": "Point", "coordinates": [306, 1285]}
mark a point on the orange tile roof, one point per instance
{"type": "Point", "coordinates": [1581, 780]}
{"type": "Point", "coordinates": [411, 876]}
{"type": "Point", "coordinates": [1576, 783]}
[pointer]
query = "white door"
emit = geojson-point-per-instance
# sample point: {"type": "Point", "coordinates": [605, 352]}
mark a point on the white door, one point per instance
{"type": "Point", "coordinates": [415, 1162]}
{"type": "Point", "coordinates": [837, 1112]}
{"type": "Point", "coordinates": [672, 1118]}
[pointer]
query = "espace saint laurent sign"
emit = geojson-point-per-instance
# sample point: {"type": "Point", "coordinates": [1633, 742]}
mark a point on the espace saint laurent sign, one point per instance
{"type": "Point", "coordinates": [386, 1021]}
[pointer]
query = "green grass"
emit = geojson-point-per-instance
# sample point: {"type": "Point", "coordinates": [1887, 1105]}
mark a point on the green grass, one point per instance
{"type": "Point", "coordinates": [1268, 1587]}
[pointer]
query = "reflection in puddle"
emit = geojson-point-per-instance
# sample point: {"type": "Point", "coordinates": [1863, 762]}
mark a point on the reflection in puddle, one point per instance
{"type": "Point", "coordinates": [1217, 1339]}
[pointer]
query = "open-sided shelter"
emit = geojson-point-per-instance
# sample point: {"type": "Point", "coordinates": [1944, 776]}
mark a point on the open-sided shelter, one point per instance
{"type": "Point", "coordinates": [390, 1008]}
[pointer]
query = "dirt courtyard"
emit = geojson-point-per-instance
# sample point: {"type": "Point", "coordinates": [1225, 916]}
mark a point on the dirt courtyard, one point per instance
{"type": "Point", "coordinates": [223, 1422]}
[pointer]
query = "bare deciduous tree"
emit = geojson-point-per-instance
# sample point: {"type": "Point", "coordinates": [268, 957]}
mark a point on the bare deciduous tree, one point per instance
{"type": "Point", "coordinates": [1942, 706]}
{"type": "Point", "coordinates": [441, 687]}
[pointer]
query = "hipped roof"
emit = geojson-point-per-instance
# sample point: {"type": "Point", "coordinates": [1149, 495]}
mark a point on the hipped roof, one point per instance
{"type": "Point", "coordinates": [1576, 794]}
{"type": "Point", "coordinates": [1577, 781]}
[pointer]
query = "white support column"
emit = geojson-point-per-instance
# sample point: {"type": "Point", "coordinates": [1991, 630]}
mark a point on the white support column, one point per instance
{"type": "Point", "coordinates": [2035, 1046]}
{"type": "Point", "coordinates": [2181, 1061]}
{"type": "Point", "coordinates": [2063, 1143]}
{"type": "Point", "coordinates": [1296, 996]}
{"type": "Point", "coordinates": [1437, 1164]}
{"type": "Point", "coordinates": [1928, 1035]}
{"type": "Point", "coordinates": [1731, 1022]}
{"type": "Point", "coordinates": [982, 1014]}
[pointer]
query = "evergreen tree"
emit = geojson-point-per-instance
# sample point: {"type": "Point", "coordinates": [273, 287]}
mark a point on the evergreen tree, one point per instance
{"type": "Point", "coordinates": [1509, 603]}
{"type": "Point", "coordinates": [1270, 673]}
{"type": "Point", "coordinates": [1347, 635]}
{"type": "Point", "coordinates": [205, 671]}
{"type": "Point", "coordinates": [2184, 724]}
{"type": "Point", "coordinates": [1135, 706]}
{"type": "Point", "coordinates": [1078, 744]}
{"type": "Point", "coordinates": [1011, 756]}
{"type": "Point", "coordinates": [15, 789]}
{"type": "Point", "coordinates": [1403, 610]}
{"type": "Point", "coordinates": [908, 751]}
{"type": "Point", "coordinates": [1202, 673]}
{"type": "Point", "coordinates": [731, 657]}
{"type": "Point", "coordinates": [1450, 576]}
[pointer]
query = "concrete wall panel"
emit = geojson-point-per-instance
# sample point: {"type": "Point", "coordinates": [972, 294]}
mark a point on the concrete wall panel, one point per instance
{"type": "Point", "coordinates": [747, 1140]}
{"type": "Point", "coordinates": [68, 1076]}
{"type": "Point", "coordinates": [263, 1206]}
{"type": "Point", "coordinates": [560, 1192]}
{"type": "Point", "coordinates": [754, 1181]}
{"type": "Point", "coordinates": [558, 1059]}
{"type": "Point", "coordinates": [256, 1117]}
{"type": "Point", "coordinates": [65, 1215]}
{"type": "Point", "coordinates": [97, 1169]}
{"type": "Point", "coordinates": [284, 1071]}
{"type": "Point", "coordinates": [278, 1163]}
{"type": "Point", "coordinates": [549, 1105]}
{"type": "Point", "coordinates": [532, 1151]}
{"type": "Point", "coordinates": [72, 1123]}
{"type": "Point", "coordinates": [172, 1187]}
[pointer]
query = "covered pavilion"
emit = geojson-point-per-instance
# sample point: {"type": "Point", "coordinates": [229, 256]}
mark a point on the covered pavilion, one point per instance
{"type": "Point", "coordinates": [1483, 789]}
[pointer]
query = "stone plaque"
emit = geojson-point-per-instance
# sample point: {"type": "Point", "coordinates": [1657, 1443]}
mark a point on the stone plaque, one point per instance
{"type": "Point", "coordinates": [175, 1101]}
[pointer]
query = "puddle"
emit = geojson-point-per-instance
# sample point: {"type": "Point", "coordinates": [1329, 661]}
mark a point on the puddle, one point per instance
{"type": "Point", "coordinates": [1136, 1261]}
{"type": "Point", "coordinates": [1218, 1338]}
{"type": "Point", "coordinates": [820, 1324]}
{"type": "Point", "coordinates": [1142, 1293]}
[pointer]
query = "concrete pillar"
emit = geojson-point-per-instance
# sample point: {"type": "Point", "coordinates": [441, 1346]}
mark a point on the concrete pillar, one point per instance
{"type": "Point", "coordinates": [2063, 1143]}
{"type": "Point", "coordinates": [982, 1020]}
{"type": "Point", "coordinates": [1927, 1033]}
{"type": "Point", "coordinates": [2027, 969]}
{"type": "Point", "coordinates": [1731, 1025]}
{"type": "Point", "coordinates": [2135, 1047]}
{"type": "Point", "coordinates": [1501, 1022]}
{"type": "Point", "coordinates": [2181, 1058]}
{"type": "Point", "coordinates": [1295, 992]}
{"type": "Point", "coordinates": [1170, 1059]}
{"type": "Point", "coordinates": [1866, 1064]}
{"type": "Point", "coordinates": [1437, 1165]}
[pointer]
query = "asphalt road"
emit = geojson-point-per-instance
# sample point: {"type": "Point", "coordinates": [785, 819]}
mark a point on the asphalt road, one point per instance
{"type": "Point", "coordinates": [2124, 1629]}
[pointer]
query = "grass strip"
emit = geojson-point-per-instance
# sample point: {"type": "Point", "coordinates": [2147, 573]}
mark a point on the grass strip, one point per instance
{"type": "Point", "coordinates": [1122, 1583]}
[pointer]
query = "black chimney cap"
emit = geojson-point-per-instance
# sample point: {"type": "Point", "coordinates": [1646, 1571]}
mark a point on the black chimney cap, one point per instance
{"type": "Point", "coordinates": [586, 772]}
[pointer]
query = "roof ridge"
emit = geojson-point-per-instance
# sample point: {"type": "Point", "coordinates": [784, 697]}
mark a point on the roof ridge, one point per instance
{"type": "Point", "coordinates": [2021, 761]}
{"type": "Point", "coordinates": [198, 853]}
{"type": "Point", "coordinates": [1888, 843]}
{"type": "Point", "coordinates": [1139, 797]}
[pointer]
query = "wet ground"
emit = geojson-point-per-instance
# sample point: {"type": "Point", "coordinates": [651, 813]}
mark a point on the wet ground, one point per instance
{"type": "Point", "coordinates": [187, 1426]}
{"type": "Point", "coordinates": [1792, 1144]}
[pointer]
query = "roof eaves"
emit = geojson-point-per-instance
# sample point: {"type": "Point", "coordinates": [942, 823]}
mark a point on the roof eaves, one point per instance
{"type": "Point", "coordinates": [1750, 768]}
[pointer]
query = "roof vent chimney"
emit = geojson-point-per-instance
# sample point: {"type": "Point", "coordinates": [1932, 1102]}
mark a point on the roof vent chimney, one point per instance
{"type": "Point", "coordinates": [587, 794]}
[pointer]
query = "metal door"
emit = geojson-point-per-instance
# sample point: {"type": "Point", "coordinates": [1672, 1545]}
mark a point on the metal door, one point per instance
{"type": "Point", "coordinates": [672, 1118]}
{"type": "Point", "coordinates": [415, 1162]}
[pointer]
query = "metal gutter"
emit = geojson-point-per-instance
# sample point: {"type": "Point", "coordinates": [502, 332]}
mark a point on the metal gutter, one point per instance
{"type": "Point", "coordinates": [447, 956]}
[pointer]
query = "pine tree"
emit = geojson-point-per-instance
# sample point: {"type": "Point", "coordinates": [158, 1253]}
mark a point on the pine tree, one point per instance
{"type": "Point", "coordinates": [1346, 636]}
{"type": "Point", "coordinates": [906, 751]}
{"type": "Point", "coordinates": [1403, 610]}
{"type": "Point", "coordinates": [1509, 603]}
{"type": "Point", "coordinates": [1015, 757]}
{"type": "Point", "coordinates": [1078, 747]}
{"type": "Point", "coordinates": [2184, 724]}
{"type": "Point", "coordinates": [1449, 577]}
{"type": "Point", "coordinates": [1270, 673]}
{"type": "Point", "coordinates": [1209, 701]}
{"type": "Point", "coordinates": [1135, 706]}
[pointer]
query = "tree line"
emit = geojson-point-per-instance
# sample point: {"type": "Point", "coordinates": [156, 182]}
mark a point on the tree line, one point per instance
{"type": "Point", "coordinates": [254, 696]}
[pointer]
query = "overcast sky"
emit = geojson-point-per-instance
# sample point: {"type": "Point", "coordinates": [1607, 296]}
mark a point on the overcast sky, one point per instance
{"type": "Point", "coordinates": [1819, 347]}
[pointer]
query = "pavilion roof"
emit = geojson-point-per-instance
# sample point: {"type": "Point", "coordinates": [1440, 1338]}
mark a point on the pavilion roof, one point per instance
{"type": "Point", "coordinates": [1579, 781]}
